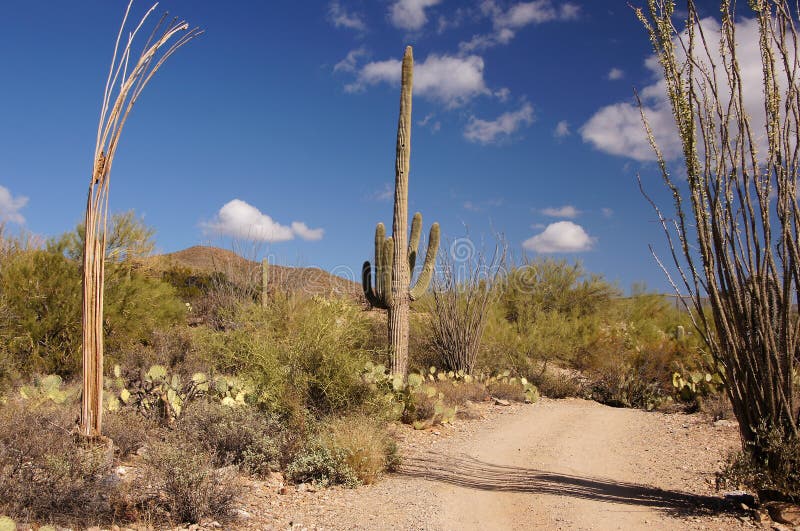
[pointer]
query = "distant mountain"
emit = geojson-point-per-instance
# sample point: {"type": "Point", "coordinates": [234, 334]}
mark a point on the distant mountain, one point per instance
{"type": "Point", "coordinates": [296, 280]}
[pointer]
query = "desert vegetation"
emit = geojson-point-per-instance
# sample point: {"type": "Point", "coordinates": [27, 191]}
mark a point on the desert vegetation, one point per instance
{"type": "Point", "coordinates": [210, 382]}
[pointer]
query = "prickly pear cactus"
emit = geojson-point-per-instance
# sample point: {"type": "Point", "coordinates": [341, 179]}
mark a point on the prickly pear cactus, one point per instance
{"type": "Point", "coordinates": [45, 388]}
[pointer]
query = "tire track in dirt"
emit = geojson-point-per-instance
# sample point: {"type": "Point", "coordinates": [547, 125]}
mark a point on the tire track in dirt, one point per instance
{"type": "Point", "coordinates": [557, 464]}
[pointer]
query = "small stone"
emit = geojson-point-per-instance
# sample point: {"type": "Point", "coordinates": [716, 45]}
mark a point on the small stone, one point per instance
{"type": "Point", "coordinates": [501, 402]}
{"type": "Point", "coordinates": [282, 489]}
{"type": "Point", "coordinates": [242, 514]}
{"type": "Point", "coordinates": [722, 423]}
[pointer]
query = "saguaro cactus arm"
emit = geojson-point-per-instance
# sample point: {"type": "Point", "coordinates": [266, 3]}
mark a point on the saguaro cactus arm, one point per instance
{"type": "Point", "coordinates": [425, 276]}
{"type": "Point", "coordinates": [383, 275]}
{"type": "Point", "coordinates": [413, 243]}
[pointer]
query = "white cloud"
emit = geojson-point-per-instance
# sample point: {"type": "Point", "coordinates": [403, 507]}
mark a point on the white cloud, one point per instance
{"type": "Point", "coordinates": [449, 79]}
{"type": "Point", "coordinates": [536, 12]}
{"type": "Point", "coordinates": [384, 194]}
{"type": "Point", "coordinates": [239, 219]}
{"type": "Point", "coordinates": [435, 125]}
{"type": "Point", "coordinates": [502, 94]}
{"type": "Point", "coordinates": [562, 129]}
{"type": "Point", "coordinates": [507, 23]}
{"type": "Point", "coordinates": [615, 74]}
{"type": "Point", "coordinates": [560, 237]}
{"type": "Point", "coordinates": [348, 64]}
{"type": "Point", "coordinates": [410, 14]}
{"type": "Point", "coordinates": [490, 131]}
{"type": "Point", "coordinates": [341, 18]}
{"type": "Point", "coordinates": [617, 128]}
{"type": "Point", "coordinates": [10, 206]}
{"type": "Point", "coordinates": [302, 230]}
{"type": "Point", "coordinates": [607, 212]}
{"type": "Point", "coordinates": [566, 211]}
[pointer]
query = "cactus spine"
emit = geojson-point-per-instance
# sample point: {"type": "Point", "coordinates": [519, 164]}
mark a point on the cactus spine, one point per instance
{"type": "Point", "coordinates": [395, 257]}
{"type": "Point", "coordinates": [264, 279]}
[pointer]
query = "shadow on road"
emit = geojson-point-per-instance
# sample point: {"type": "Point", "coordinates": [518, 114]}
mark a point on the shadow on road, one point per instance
{"type": "Point", "coordinates": [472, 473]}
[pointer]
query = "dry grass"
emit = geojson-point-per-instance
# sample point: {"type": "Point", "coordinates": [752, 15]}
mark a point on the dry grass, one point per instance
{"type": "Point", "coordinates": [367, 449]}
{"type": "Point", "coordinates": [506, 390]}
{"type": "Point", "coordinates": [47, 472]}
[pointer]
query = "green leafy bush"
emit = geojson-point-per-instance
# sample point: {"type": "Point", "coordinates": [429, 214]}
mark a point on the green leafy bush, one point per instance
{"type": "Point", "coordinates": [40, 302]}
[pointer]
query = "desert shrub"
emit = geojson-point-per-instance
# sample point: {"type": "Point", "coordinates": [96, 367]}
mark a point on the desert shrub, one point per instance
{"type": "Point", "coordinates": [173, 347]}
{"type": "Point", "coordinates": [129, 431]}
{"type": "Point", "coordinates": [309, 356]}
{"type": "Point", "coordinates": [545, 285]}
{"type": "Point", "coordinates": [458, 393]}
{"type": "Point", "coordinates": [625, 387]}
{"type": "Point", "coordinates": [419, 406]}
{"type": "Point", "coordinates": [46, 471]}
{"type": "Point", "coordinates": [180, 485]}
{"type": "Point", "coordinates": [558, 385]}
{"type": "Point", "coordinates": [240, 436]}
{"type": "Point", "coordinates": [366, 448]}
{"type": "Point", "coordinates": [325, 353]}
{"type": "Point", "coordinates": [322, 466]}
{"type": "Point", "coordinates": [770, 466]}
{"type": "Point", "coordinates": [40, 295]}
{"type": "Point", "coordinates": [40, 289]}
{"type": "Point", "coordinates": [506, 390]}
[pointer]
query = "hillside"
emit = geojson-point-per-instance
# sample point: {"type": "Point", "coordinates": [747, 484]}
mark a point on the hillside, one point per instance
{"type": "Point", "coordinates": [296, 280]}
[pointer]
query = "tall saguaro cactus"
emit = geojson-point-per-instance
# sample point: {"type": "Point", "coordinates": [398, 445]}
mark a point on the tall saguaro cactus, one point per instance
{"type": "Point", "coordinates": [127, 78]}
{"type": "Point", "coordinates": [395, 257]}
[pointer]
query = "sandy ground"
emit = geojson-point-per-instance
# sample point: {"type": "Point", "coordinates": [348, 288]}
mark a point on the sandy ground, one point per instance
{"type": "Point", "coordinates": [557, 464]}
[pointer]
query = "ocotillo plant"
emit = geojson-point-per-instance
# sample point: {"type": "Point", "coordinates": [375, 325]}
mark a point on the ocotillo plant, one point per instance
{"type": "Point", "coordinates": [264, 279]}
{"type": "Point", "coordinates": [394, 257]}
{"type": "Point", "coordinates": [112, 119]}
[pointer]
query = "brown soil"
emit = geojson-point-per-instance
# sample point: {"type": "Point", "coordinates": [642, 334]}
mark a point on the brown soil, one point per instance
{"type": "Point", "coordinates": [557, 464]}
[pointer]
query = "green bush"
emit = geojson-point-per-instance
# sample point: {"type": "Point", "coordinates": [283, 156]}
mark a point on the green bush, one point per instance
{"type": "Point", "coordinates": [309, 355]}
{"type": "Point", "coordinates": [322, 466]}
{"type": "Point", "coordinates": [40, 302]}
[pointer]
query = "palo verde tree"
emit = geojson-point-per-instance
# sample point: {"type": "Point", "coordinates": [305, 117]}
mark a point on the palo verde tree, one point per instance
{"type": "Point", "coordinates": [734, 233]}
{"type": "Point", "coordinates": [395, 258]}
{"type": "Point", "coordinates": [127, 77]}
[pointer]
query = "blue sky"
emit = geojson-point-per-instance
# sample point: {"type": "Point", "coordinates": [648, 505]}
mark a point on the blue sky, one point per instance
{"type": "Point", "coordinates": [280, 122]}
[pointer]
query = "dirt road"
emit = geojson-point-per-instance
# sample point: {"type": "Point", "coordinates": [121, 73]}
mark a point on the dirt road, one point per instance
{"type": "Point", "coordinates": [567, 464]}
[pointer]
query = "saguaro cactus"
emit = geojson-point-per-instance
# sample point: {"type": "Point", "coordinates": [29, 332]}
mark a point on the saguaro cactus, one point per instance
{"type": "Point", "coordinates": [395, 258]}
